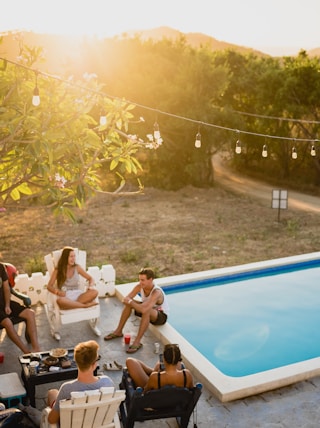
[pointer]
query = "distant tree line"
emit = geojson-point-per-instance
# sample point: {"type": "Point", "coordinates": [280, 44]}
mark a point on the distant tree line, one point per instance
{"type": "Point", "coordinates": [212, 87]}
{"type": "Point", "coordinates": [233, 90]}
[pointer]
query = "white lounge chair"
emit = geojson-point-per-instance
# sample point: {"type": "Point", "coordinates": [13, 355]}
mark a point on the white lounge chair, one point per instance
{"type": "Point", "coordinates": [58, 317]}
{"type": "Point", "coordinates": [88, 409]}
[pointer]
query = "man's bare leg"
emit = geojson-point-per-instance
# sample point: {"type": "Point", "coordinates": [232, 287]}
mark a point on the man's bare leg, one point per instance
{"type": "Point", "coordinates": [144, 324]}
{"type": "Point", "coordinates": [31, 326]}
{"type": "Point", "coordinates": [13, 335]}
{"type": "Point", "coordinates": [125, 314]}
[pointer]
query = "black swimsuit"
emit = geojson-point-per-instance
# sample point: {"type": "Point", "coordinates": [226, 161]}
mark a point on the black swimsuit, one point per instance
{"type": "Point", "coordinates": [184, 379]}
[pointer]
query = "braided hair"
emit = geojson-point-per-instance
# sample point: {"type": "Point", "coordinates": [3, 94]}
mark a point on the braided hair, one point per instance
{"type": "Point", "coordinates": [172, 354]}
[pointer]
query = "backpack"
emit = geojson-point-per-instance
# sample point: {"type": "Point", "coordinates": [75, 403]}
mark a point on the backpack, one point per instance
{"type": "Point", "coordinates": [16, 419]}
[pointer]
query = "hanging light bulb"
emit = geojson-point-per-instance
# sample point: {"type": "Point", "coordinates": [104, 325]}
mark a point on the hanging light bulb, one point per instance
{"type": "Point", "coordinates": [36, 96]}
{"type": "Point", "coordinates": [156, 131]}
{"type": "Point", "coordinates": [103, 118]}
{"type": "Point", "coordinates": [313, 150]}
{"type": "Point", "coordinates": [294, 153]}
{"type": "Point", "coordinates": [238, 147]}
{"type": "Point", "coordinates": [197, 143]}
{"type": "Point", "coordinates": [264, 151]}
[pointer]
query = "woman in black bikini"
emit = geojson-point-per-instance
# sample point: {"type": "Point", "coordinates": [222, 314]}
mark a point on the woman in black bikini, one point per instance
{"type": "Point", "coordinates": [154, 378]}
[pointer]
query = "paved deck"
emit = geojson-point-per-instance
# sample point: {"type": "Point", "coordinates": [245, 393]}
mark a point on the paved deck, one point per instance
{"type": "Point", "coordinates": [296, 406]}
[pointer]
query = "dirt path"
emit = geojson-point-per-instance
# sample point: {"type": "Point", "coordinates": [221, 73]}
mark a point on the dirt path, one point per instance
{"type": "Point", "coordinates": [228, 179]}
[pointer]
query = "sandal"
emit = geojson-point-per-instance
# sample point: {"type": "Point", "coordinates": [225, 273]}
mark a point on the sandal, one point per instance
{"type": "Point", "coordinates": [111, 336]}
{"type": "Point", "coordinates": [132, 348]}
{"type": "Point", "coordinates": [112, 366]}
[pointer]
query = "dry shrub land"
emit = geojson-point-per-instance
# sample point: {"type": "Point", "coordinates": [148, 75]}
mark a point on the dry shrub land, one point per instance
{"type": "Point", "coordinates": [174, 232]}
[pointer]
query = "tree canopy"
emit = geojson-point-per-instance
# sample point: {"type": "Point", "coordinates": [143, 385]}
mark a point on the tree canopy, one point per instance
{"type": "Point", "coordinates": [59, 152]}
{"type": "Point", "coordinates": [87, 134]}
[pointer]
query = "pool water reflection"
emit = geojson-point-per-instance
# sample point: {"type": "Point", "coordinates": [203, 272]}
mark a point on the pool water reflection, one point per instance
{"type": "Point", "coordinates": [252, 325]}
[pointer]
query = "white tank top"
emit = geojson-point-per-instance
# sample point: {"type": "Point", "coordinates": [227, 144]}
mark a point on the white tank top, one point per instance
{"type": "Point", "coordinates": [164, 306]}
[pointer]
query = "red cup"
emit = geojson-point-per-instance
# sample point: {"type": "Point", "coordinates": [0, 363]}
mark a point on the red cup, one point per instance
{"type": "Point", "coordinates": [1, 357]}
{"type": "Point", "coordinates": [127, 339]}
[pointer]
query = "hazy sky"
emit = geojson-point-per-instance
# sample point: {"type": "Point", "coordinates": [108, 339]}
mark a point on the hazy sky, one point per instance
{"type": "Point", "coordinates": [279, 27]}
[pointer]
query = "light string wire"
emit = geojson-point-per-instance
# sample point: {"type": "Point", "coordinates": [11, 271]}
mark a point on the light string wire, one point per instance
{"type": "Point", "coordinates": [288, 119]}
{"type": "Point", "coordinates": [187, 119]}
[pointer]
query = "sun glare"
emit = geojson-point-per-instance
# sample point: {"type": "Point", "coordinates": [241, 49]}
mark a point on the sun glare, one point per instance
{"type": "Point", "coordinates": [243, 23]}
{"type": "Point", "coordinates": [98, 18]}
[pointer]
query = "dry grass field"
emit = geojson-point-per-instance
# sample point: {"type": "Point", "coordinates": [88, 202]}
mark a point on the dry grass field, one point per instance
{"type": "Point", "coordinates": [174, 232]}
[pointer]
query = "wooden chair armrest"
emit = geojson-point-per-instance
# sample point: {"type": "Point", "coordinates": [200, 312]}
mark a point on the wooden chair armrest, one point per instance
{"type": "Point", "coordinates": [44, 419]}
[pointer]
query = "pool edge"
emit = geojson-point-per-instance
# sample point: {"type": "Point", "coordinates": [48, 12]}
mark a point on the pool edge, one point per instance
{"type": "Point", "coordinates": [227, 388]}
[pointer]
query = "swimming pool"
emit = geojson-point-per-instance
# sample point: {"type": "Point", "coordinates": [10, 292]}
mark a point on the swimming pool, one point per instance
{"type": "Point", "coordinates": [225, 321]}
{"type": "Point", "coordinates": [248, 325]}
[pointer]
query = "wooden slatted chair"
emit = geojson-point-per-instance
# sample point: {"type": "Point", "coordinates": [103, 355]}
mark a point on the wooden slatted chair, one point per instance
{"type": "Point", "coordinates": [88, 409]}
{"type": "Point", "coordinates": [58, 317]}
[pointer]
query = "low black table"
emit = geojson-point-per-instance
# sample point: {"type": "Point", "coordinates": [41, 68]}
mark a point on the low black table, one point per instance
{"type": "Point", "coordinates": [44, 375]}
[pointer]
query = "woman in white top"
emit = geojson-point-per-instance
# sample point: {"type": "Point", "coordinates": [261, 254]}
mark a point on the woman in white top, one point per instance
{"type": "Point", "coordinates": [64, 282]}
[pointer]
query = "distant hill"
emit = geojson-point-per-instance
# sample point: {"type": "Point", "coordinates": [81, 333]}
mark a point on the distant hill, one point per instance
{"type": "Point", "coordinates": [61, 50]}
{"type": "Point", "coordinates": [193, 39]}
{"type": "Point", "coordinates": [314, 52]}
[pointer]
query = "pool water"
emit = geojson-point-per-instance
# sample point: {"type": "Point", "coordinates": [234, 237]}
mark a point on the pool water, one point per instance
{"type": "Point", "coordinates": [253, 323]}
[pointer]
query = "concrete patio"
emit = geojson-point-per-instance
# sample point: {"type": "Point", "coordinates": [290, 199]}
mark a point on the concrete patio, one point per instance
{"type": "Point", "coordinates": [295, 406]}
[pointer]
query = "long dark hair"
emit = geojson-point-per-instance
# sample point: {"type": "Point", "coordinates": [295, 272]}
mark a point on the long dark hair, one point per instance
{"type": "Point", "coordinates": [62, 266]}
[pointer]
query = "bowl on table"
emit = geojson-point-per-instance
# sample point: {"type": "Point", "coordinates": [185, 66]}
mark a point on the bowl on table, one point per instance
{"type": "Point", "coordinates": [58, 352]}
{"type": "Point", "coordinates": [51, 361]}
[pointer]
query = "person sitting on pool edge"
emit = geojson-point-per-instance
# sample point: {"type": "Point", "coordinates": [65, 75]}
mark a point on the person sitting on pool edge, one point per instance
{"type": "Point", "coordinates": [153, 308]}
{"type": "Point", "coordinates": [154, 378]}
{"type": "Point", "coordinates": [86, 356]}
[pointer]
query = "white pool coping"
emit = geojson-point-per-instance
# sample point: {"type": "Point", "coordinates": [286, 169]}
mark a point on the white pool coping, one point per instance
{"type": "Point", "coordinates": [228, 388]}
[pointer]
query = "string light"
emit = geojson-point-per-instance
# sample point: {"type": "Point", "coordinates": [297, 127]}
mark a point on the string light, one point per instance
{"type": "Point", "coordinates": [197, 143]}
{"type": "Point", "coordinates": [156, 131]}
{"type": "Point", "coordinates": [36, 96]}
{"type": "Point", "coordinates": [294, 153]}
{"type": "Point", "coordinates": [103, 118]}
{"type": "Point", "coordinates": [263, 116]}
{"type": "Point", "coordinates": [36, 102]}
{"type": "Point", "coordinates": [264, 151]}
{"type": "Point", "coordinates": [238, 144]}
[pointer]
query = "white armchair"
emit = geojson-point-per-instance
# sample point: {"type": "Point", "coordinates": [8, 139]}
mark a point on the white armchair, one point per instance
{"type": "Point", "coordinates": [58, 317]}
{"type": "Point", "coordinates": [98, 408]}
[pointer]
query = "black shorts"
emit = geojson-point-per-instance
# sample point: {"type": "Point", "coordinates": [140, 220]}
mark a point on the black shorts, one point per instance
{"type": "Point", "coordinates": [16, 310]}
{"type": "Point", "coordinates": [161, 318]}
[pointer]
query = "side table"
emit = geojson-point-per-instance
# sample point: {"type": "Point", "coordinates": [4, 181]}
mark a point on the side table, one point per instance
{"type": "Point", "coordinates": [44, 374]}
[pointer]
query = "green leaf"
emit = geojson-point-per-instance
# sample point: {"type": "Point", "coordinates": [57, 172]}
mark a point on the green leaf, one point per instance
{"type": "Point", "coordinates": [15, 194]}
{"type": "Point", "coordinates": [25, 189]}
{"type": "Point", "coordinates": [114, 164]}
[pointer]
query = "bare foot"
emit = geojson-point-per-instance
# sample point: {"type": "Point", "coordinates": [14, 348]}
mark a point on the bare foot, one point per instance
{"type": "Point", "coordinates": [88, 305]}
